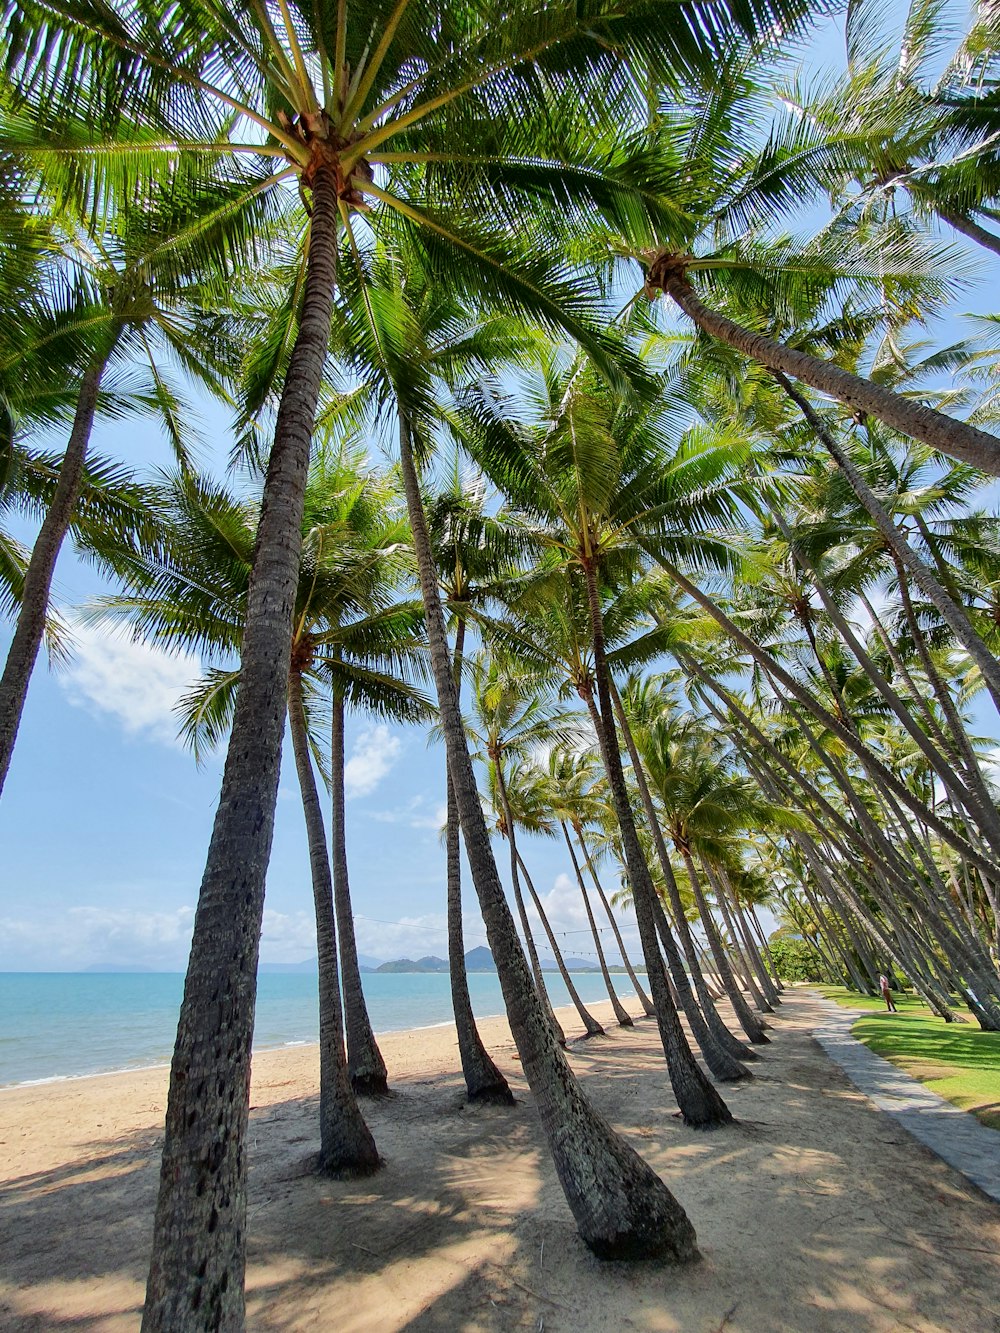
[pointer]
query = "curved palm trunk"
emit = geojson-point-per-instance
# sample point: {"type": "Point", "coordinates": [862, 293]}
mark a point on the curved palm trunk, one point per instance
{"type": "Point", "coordinates": [622, 1209]}
{"type": "Point", "coordinates": [199, 1236]}
{"type": "Point", "coordinates": [346, 1145]}
{"type": "Point", "coordinates": [364, 1059]}
{"type": "Point", "coordinates": [483, 1080]}
{"type": "Point", "coordinates": [725, 1067]}
{"type": "Point", "coordinates": [952, 613]}
{"type": "Point", "coordinates": [644, 1000]}
{"type": "Point", "coordinates": [970, 228]}
{"type": "Point", "coordinates": [700, 1103]}
{"type": "Point", "coordinates": [722, 1051]}
{"type": "Point", "coordinates": [529, 940]}
{"type": "Point", "coordinates": [623, 1017]}
{"type": "Point", "coordinates": [750, 1025]}
{"type": "Point", "coordinates": [30, 626]}
{"type": "Point", "coordinates": [750, 950]}
{"type": "Point", "coordinates": [746, 971]}
{"type": "Point", "coordinates": [955, 438]}
{"type": "Point", "coordinates": [590, 1023]}
{"type": "Point", "coordinates": [876, 769]}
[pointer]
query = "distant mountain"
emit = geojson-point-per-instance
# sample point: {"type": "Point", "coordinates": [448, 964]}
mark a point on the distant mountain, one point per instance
{"type": "Point", "coordinates": [480, 960]}
{"type": "Point", "coordinates": [427, 964]}
{"type": "Point", "coordinates": [572, 964]}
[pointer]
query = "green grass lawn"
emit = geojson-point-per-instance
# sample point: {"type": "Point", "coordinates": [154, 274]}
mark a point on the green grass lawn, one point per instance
{"type": "Point", "coordinates": [958, 1060]}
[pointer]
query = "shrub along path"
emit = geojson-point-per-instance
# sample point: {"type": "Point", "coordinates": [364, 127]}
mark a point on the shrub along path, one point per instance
{"type": "Point", "coordinates": [958, 1138]}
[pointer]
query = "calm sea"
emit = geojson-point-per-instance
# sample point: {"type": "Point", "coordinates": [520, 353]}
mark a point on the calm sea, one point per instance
{"type": "Point", "coordinates": [63, 1024]}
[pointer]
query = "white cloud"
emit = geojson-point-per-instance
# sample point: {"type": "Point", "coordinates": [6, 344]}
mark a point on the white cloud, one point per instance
{"type": "Point", "coordinates": [83, 936]}
{"type": "Point", "coordinates": [417, 813]}
{"type": "Point", "coordinates": [372, 757]}
{"type": "Point", "coordinates": [287, 937]}
{"type": "Point", "coordinates": [567, 916]}
{"type": "Point", "coordinates": [136, 684]}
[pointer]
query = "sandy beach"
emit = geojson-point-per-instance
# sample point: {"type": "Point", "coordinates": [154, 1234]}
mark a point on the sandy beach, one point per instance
{"type": "Point", "coordinates": [816, 1212]}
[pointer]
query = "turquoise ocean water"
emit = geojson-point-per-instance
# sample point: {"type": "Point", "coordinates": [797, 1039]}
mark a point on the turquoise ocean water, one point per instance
{"type": "Point", "coordinates": [66, 1024]}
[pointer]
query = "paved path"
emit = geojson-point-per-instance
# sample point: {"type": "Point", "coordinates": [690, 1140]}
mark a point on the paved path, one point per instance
{"type": "Point", "coordinates": [955, 1135]}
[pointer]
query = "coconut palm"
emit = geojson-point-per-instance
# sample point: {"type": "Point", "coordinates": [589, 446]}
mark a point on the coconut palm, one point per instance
{"type": "Point", "coordinates": [472, 550]}
{"type": "Point", "coordinates": [512, 719]}
{"type": "Point", "coordinates": [133, 290]}
{"type": "Point", "coordinates": [364, 105]}
{"type": "Point", "coordinates": [597, 471]}
{"type": "Point", "coordinates": [570, 777]}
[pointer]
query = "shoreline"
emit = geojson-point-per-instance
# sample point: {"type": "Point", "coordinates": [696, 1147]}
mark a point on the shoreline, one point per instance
{"type": "Point", "coordinates": [813, 1211]}
{"type": "Point", "coordinates": [627, 995]}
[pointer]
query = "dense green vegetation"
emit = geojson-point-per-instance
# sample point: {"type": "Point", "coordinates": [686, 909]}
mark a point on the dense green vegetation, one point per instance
{"type": "Point", "coordinates": [688, 530]}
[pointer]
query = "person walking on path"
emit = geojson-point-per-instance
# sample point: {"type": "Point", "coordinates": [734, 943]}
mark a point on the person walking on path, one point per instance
{"type": "Point", "coordinates": [883, 982]}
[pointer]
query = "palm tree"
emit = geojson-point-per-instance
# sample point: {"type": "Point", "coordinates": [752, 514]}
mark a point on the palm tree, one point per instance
{"type": "Point", "coordinates": [601, 1176]}
{"type": "Point", "coordinates": [362, 104]}
{"type": "Point", "coordinates": [569, 777]}
{"type": "Point", "coordinates": [349, 631]}
{"type": "Point", "coordinates": [102, 300]}
{"type": "Point", "coordinates": [472, 549]}
{"type": "Point", "coordinates": [592, 475]}
{"type": "Point", "coordinates": [513, 718]}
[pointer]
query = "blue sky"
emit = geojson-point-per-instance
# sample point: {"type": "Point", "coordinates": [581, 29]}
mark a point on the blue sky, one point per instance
{"type": "Point", "coordinates": [105, 819]}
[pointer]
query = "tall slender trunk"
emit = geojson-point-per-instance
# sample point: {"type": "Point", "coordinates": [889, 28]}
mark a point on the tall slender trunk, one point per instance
{"type": "Point", "coordinates": [346, 1145]}
{"type": "Point", "coordinates": [700, 1104]}
{"type": "Point", "coordinates": [952, 613]}
{"type": "Point", "coordinates": [883, 775]}
{"type": "Point", "coordinates": [198, 1261]}
{"type": "Point", "coordinates": [621, 1207]}
{"type": "Point", "coordinates": [483, 1080]}
{"type": "Point", "coordinates": [760, 1002]}
{"type": "Point", "coordinates": [725, 1067]}
{"type": "Point", "coordinates": [644, 1000]}
{"type": "Point", "coordinates": [725, 1059]}
{"type": "Point", "coordinates": [364, 1059]}
{"type": "Point", "coordinates": [30, 626]}
{"type": "Point", "coordinates": [750, 1025]}
{"type": "Point", "coordinates": [529, 939]}
{"type": "Point", "coordinates": [590, 1023]}
{"type": "Point", "coordinates": [621, 1014]}
{"type": "Point", "coordinates": [955, 438]}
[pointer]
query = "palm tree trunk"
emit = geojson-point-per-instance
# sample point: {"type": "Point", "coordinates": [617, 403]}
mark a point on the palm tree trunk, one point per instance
{"type": "Point", "coordinates": [700, 1103]}
{"type": "Point", "coordinates": [964, 224]}
{"type": "Point", "coordinates": [952, 613]}
{"type": "Point", "coordinates": [529, 941]}
{"type": "Point", "coordinates": [483, 1080]}
{"type": "Point", "coordinates": [746, 972]}
{"type": "Point", "coordinates": [723, 1052]}
{"type": "Point", "coordinates": [621, 1014]}
{"type": "Point", "coordinates": [955, 438]}
{"type": "Point", "coordinates": [346, 1145]}
{"type": "Point", "coordinates": [751, 951]}
{"type": "Point", "coordinates": [364, 1059]}
{"type": "Point", "coordinates": [750, 1025]}
{"type": "Point", "coordinates": [725, 1067]}
{"type": "Point", "coordinates": [199, 1236]}
{"type": "Point", "coordinates": [644, 1000]}
{"type": "Point", "coordinates": [621, 1207]}
{"type": "Point", "coordinates": [590, 1023]}
{"type": "Point", "coordinates": [31, 618]}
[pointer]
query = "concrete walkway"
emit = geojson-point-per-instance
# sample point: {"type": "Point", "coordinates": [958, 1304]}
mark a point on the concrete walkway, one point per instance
{"type": "Point", "coordinates": [953, 1134]}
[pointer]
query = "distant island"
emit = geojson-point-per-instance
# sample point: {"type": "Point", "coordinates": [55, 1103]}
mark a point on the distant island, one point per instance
{"type": "Point", "coordinates": [479, 959]}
